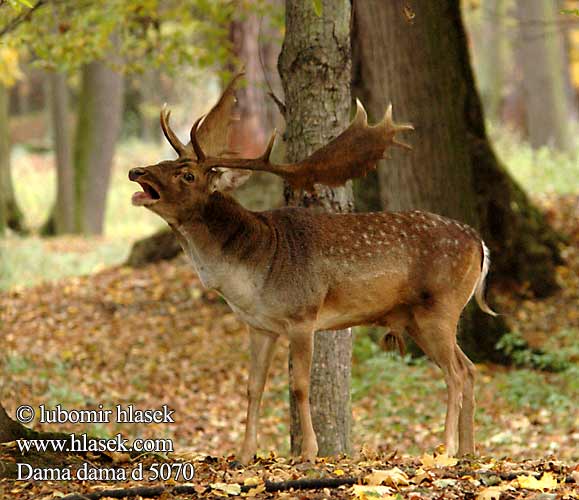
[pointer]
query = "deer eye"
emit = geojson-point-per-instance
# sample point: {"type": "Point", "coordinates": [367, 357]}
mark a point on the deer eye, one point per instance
{"type": "Point", "coordinates": [188, 176]}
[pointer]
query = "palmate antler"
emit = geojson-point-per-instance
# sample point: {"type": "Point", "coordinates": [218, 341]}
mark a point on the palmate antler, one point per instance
{"type": "Point", "coordinates": [353, 153]}
{"type": "Point", "coordinates": [209, 137]}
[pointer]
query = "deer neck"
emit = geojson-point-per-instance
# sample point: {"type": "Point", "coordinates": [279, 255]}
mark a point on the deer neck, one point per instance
{"type": "Point", "coordinates": [223, 239]}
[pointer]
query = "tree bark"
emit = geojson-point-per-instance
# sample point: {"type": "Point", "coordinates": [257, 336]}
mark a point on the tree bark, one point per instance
{"type": "Point", "coordinates": [160, 246]}
{"type": "Point", "coordinates": [98, 126]}
{"type": "Point", "coordinates": [257, 119]}
{"type": "Point", "coordinates": [10, 214]}
{"type": "Point", "coordinates": [10, 430]}
{"type": "Point", "coordinates": [452, 169]}
{"type": "Point", "coordinates": [491, 56]}
{"type": "Point", "coordinates": [4, 158]}
{"type": "Point", "coordinates": [541, 54]}
{"type": "Point", "coordinates": [61, 219]}
{"type": "Point", "coordinates": [315, 65]}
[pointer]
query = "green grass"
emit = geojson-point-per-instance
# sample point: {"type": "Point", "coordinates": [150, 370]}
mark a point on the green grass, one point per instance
{"type": "Point", "coordinates": [537, 171]}
{"type": "Point", "coordinates": [34, 182]}
{"type": "Point", "coordinates": [409, 394]}
{"type": "Point", "coordinates": [25, 261]}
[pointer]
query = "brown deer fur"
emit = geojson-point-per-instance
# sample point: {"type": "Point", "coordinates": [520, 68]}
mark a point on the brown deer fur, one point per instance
{"type": "Point", "coordinates": [294, 271]}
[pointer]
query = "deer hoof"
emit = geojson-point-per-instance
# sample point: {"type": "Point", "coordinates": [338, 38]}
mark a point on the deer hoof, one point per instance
{"type": "Point", "coordinates": [245, 458]}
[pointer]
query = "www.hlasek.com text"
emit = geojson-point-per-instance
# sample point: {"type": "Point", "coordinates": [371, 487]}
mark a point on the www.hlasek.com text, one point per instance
{"type": "Point", "coordinates": [81, 443]}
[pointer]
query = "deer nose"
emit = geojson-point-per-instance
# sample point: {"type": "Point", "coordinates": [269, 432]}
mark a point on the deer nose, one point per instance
{"type": "Point", "coordinates": [135, 173]}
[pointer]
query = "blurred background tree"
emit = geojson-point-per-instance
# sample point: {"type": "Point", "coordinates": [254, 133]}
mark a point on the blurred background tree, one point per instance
{"type": "Point", "coordinates": [453, 169]}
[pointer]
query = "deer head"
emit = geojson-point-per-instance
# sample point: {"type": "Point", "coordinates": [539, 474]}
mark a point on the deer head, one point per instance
{"type": "Point", "coordinates": [176, 189]}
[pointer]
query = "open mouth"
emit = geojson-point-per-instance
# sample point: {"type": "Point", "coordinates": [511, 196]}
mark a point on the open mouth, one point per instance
{"type": "Point", "coordinates": [148, 196]}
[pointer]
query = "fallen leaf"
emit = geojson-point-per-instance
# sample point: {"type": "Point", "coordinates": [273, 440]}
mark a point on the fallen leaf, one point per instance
{"type": "Point", "coordinates": [491, 493]}
{"type": "Point", "coordinates": [391, 477]}
{"type": "Point", "coordinates": [228, 488]}
{"type": "Point", "coordinates": [547, 482]}
{"type": "Point", "coordinates": [442, 460]}
{"type": "Point", "coordinates": [421, 475]}
{"type": "Point", "coordinates": [444, 483]}
{"type": "Point", "coordinates": [260, 488]}
{"type": "Point", "coordinates": [362, 492]}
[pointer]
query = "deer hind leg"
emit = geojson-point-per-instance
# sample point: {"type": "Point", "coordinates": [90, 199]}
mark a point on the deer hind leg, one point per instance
{"type": "Point", "coordinates": [261, 348]}
{"type": "Point", "coordinates": [301, 351]}
{"type": "Point", "coordinates": [466, 418]}
{"type": "Point", "coordinates": [434, 330]}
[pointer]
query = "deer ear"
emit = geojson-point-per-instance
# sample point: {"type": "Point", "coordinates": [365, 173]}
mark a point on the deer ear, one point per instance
{"type": "Point", "coordinates": [226, 179]}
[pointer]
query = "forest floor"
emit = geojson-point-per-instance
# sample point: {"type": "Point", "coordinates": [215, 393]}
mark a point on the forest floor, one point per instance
{"type": "Point", "coordinates": [153, 336]}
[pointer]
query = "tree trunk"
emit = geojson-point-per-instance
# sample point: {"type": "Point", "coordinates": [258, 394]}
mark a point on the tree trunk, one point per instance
{"type": "Point", "coordinates": [150, 83]}
{"type": "Point", "coordinates": [315, 67]}
{"type": "Point", "coordinates": [61, 219]}
{"type": "Point", "coordinates": [490, 48]}
{"type": "Point", "coordinates": [160, 246]}
{"type": "Point", "coordinates": [256, 118]}
{"type": "Point", "coordinates": [541, 55]}
{"type": "Point", "coordinates": [10, 214]}
{"type": "Point", "coordinates": [567, 50]}
{"type": "Point", "coordinates": [4, 158]}
{"type": "Point", "coordinates": [10, 430]}
{"type": "Point", "coordinates": [452, 169]}
{"type": "Point", "coordinates": [99, 120]}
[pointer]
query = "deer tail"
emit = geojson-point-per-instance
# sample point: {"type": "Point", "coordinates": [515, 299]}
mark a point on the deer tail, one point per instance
{"type": "Point", "coordinates": [479, 288]}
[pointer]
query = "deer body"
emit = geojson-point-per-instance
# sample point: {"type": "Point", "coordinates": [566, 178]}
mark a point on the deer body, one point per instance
{"type": "Point", "coordinates": [294, 271]}
{"type": "Point", "coordinates": [354, 268]}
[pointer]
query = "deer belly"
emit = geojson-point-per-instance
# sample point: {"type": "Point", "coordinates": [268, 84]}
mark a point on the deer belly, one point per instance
{"type": "Point", "coordinates": [360, 304]}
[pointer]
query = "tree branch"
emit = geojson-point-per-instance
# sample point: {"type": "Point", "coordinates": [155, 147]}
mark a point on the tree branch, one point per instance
{"type": "Point", "coordinates": [21, 18]}
{"type": "Point", "coordinates": [157, 491]}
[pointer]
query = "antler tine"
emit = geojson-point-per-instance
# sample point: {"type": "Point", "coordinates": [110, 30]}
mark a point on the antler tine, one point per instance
{"type": "Point", "coordinates": [266, 154]}
{"type": "Point", "coordinates": [361, 118]}
{"type": "Point", "coordinates": [169, 134]}
{"type": "Point", "coordinates": [392, 127]}
{"type": "Point", "coordinates": [194, 142]}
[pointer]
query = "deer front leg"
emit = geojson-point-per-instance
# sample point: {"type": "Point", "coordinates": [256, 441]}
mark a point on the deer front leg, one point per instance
{"type": "Point", "coordinates": [301, 351]}
{"type": "Point", "coordinates": [261, 349]}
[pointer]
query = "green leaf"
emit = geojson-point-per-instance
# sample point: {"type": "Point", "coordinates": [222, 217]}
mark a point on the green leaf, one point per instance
{"type": "Point", "coordinates": [574, 12]}
{"type": "Point", "coordinates": [317, 5]}
{"type": "Point", "coordinates": [26, 3]}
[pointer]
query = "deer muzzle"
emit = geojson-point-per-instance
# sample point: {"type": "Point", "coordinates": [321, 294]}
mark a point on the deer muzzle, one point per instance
{"type": "Point", "coordinates": [149, 195]}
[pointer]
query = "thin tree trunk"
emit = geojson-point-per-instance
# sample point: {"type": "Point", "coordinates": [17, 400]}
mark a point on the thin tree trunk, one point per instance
{"type": "Point", "coordinates": [315, 68]}
{"type": "Point", "coordinates": [10, 213]}
{"type": "Point", "coordinates": [541, 54]}
{"type": "Point", "coordinates": [99, 121]}
{"type": "Point", "coordinates": [150, 84]}
{"type": "Point", "coordinates": [491, 56]}
{"type": "Point", "coordinates": [258, 58]}
{"type": "Point", "coordinates": [452, 169]}
{"type": "Point", "coordinates": [61, 219]}
{"type": "Point", "coordinates": [4, 158]}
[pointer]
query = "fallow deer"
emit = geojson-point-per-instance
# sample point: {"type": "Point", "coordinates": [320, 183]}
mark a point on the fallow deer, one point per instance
{"type": "Point", "coordinates": [294, 271]}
